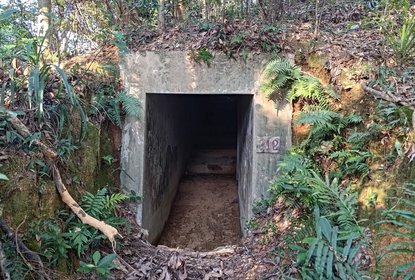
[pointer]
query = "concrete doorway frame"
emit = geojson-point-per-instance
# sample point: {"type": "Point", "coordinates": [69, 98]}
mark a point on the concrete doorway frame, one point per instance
{"type": "Point", "coordinates": [175, 73]}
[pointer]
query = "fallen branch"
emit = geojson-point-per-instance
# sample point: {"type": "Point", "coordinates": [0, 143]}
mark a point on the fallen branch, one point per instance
{"type": "Point", "coordinates": [51, 156]}
{"type": "Point", "coordinates": [221, 251]}
{"type": "Point", "coordinates": [109, 231]}
{"type": "Point", "coordinates": [387, 96]}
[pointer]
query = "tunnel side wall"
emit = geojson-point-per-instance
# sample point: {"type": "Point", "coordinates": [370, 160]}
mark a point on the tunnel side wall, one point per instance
{"type": "Point", "coordinates": [176, 73]}
{"type": "Point", "coordinates": [244, 156]}
{"type": "Point", "coordinates": [168, 146]}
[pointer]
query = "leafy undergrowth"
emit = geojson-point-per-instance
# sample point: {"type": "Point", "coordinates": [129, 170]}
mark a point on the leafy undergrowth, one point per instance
{"type": "Point", "coordinates": [346, 178]}
{"type": "Point", "coordinates": [326, 217]}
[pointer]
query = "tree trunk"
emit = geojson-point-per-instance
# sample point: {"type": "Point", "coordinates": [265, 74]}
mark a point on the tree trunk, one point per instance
{"type": "Point", "coordinates": [43, 22]}
{"type": "Point", "coordinates": [161, 22]}
{"type": "Point", "coordinates": [206, 9]}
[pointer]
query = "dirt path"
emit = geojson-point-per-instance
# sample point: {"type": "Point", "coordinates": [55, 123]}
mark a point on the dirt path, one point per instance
{"type": "Point", "coordinates": [204, 215]}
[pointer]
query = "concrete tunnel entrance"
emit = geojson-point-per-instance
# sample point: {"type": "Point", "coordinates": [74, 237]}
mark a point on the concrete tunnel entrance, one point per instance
{"type": "Point", "coordinates": [201, 139]}
{"type": "Point", "coordinates": [189, 108]}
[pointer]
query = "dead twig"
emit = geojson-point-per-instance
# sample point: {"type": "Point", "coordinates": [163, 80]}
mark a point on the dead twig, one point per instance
{"type": "Point", "coordinates": [17, 244]}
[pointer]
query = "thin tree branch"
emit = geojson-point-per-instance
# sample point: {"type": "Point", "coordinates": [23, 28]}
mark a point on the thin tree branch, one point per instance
{"type": "Point", "coordinates": [387, 96]}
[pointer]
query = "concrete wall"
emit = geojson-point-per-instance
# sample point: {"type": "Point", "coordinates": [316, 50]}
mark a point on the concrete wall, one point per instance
{"type": "Point", "coordinates": [175, 73]}
{"type": "Point", "coordinates": [168, 146]}
{"type": "Point", "coordinates": [244, 156]}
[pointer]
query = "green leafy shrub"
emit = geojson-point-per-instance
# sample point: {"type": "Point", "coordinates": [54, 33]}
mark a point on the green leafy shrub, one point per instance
{"type": "Point", "coordinates": [100, 266]}
{"type": "Point", "coordinates": [113, 107]}
{"type": "Point", "coordinates": [402, 38]}
{"type": "Point", "coordinates": [57, 237]}
{"type": "Point", "coordinates": [328, 254]}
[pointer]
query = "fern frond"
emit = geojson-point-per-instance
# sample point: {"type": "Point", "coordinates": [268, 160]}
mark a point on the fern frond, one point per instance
{"type": "Point", "coordinates": [114, 112]}
{"type": "Point", "coordinates": [130, 104]}
{"type": "Point", "coordinates": [114, 199]}
{"type": "Point", "coordinates": [95, 205]}
{"type": "Point", "coordinates": [319, 118]}
{"type": "Point", "coordinates": [358, 139]}
{"type": "Point", "coordinates": [353, 119]}
{"type": "Point", "coordinates": [339, 204]}
{"type": "Point", "coordinates": [278, 74]}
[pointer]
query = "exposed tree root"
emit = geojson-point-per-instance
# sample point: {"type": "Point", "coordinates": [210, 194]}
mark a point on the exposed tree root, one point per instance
{"type": "Point", "coordinates": [51, 156]}
{"type": "Point", "coordinates": [31, 258]}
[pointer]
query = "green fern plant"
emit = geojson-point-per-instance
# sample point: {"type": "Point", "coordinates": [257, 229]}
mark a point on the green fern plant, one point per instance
{"type": "Point", "coordinates": [395, 116]}
{"type": "Point", "coordinates": [80, 237]}
{"type": "Point", "coordinates": [130, 104]}
{"type": "Point", "coordinates": [330, 137]}
{"type": "Point", "coordinates": [401, 216]}
{"type": "Point", "coordinates": [327, 125]}
{"type": "Point", "coordinates": [282, 76]}
{"type": "Point", "coordinates": [113, 107]}
{"type": "Point", "coordinates": [294, 170]}
{"type": "Point", "coordinates": [102, 204]}
{"type": "Point", "coordinates": [326, 119]}
{"type": "Point", "coordinates": [278, 74]}
{"type": "Point", "coordinates": [339, 204]}
{"type": "Point", "coordinates": [327, 254]}
{"type": "Point", "coordinates": [52, 242]}
{"type": "Point", "coordinates": [352, 161]}
{"type": "Point", "coordinates": [310, 90]}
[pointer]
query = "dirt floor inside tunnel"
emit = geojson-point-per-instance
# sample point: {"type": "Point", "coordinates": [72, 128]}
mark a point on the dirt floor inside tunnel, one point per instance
{"type": "Point", "coordinates": [205, 213]}
{"type": "Point", "coordinates": [195, 149]}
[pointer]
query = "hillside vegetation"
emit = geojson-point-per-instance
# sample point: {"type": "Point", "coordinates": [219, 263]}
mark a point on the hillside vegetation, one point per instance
{"type": "Point", "coordinates": [343, 203]}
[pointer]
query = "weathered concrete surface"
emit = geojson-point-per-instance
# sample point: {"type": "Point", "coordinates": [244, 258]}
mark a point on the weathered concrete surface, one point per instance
{"type": "Point", "coordinates": [245, 150]}
{"type": "Point", "coordinates": [171, 73]}
{"type": "Point", "coordinates": [168, 146]}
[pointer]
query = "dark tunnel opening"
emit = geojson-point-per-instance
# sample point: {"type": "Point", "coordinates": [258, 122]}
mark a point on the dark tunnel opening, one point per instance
{"type": "Point", "coordinates": [194, 146]}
